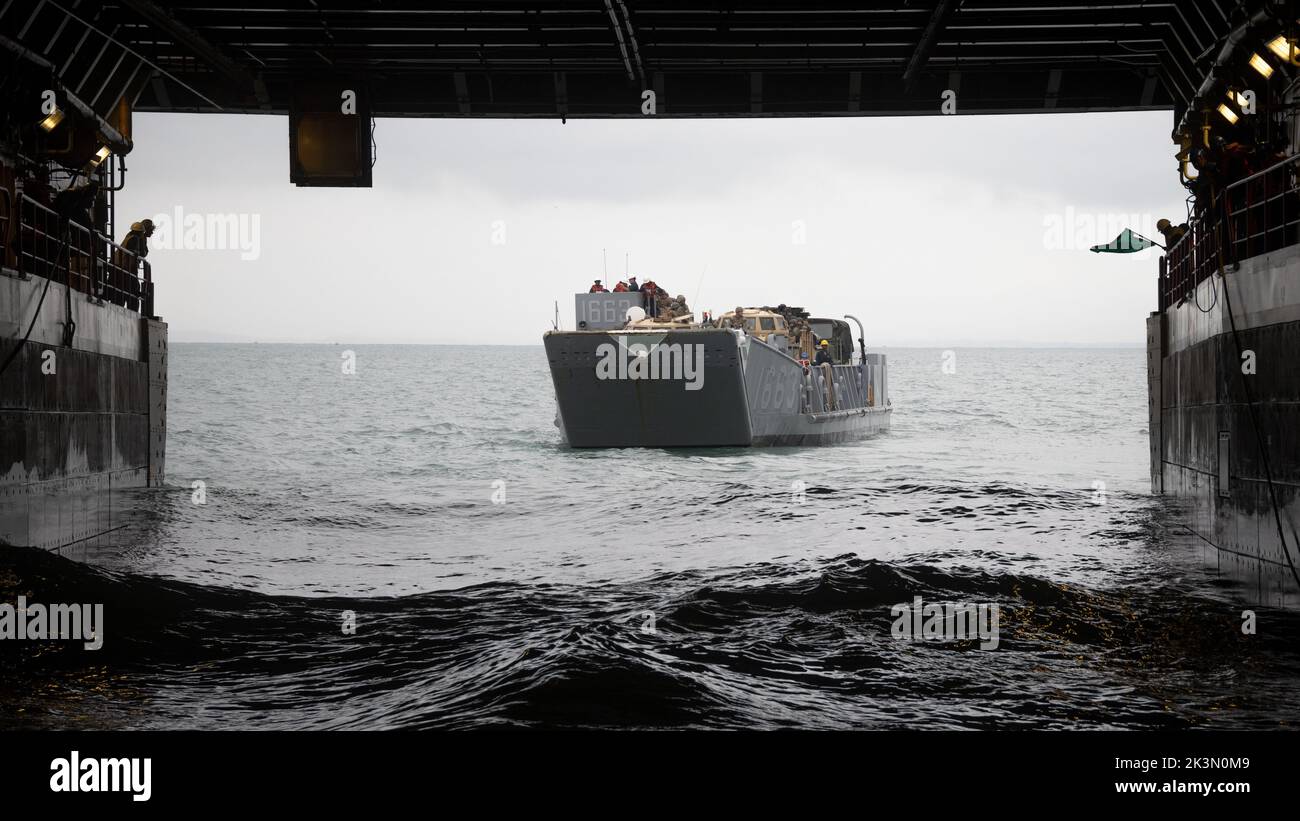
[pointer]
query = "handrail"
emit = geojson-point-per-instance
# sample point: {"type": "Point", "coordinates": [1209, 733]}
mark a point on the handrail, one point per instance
{"type": "Point", "coordinates": [1254, 215]}
{"type": "Point", "coordinates": [1259, 174]}
{"type": "Point", "coordinates": [66, 251]}
{"type": "Point", "coordinates": [6, 219]}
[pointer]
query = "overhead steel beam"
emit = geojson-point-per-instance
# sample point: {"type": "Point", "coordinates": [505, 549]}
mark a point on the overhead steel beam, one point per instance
{"type": "Point", "coordinates": [928, 39]}
{"type": "Point", "coordinates": [720, 59]}
{"type": "Point", "coordinates": [631, 37]}
{"type": "Point", "coordinates": [108, 76]}
{"type": "Point", "coordinates": [90, 70]}
{"type": "Point", "coordinates": [116, 141]}
{"type": "Point", "coordinates": [618, 34]}
{"type": "Point", "coordinates": [36, 12]}
{"type": "Point", "coordinates": [204, 50]}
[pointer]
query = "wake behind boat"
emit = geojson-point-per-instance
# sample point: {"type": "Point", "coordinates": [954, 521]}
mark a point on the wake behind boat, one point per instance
{"type": "Point", "coordinates": [748, 377]}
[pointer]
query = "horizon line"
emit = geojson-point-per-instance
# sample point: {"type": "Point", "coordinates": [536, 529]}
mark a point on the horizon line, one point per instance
{"type": "Point", "coordinates": [1008, 346]}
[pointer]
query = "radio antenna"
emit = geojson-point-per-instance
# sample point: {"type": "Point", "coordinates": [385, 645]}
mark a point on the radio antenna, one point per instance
{"type": "Point", "coordinates": [698, 286]}
{"type": "Point", "coordinates": [604, 263]}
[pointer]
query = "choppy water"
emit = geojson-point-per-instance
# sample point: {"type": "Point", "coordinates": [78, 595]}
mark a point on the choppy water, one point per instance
{"type": "Point", "coordinates": [1020, 479]}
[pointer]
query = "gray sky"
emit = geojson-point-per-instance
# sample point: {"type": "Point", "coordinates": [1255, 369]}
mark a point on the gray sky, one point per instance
{"type": "Point", "coordinates": [940, 231]}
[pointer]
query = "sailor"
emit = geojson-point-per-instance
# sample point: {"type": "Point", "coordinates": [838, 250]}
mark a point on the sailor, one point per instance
{"type": "Point", "coordinates": [37, 186]}
{"type": "Point", "coordinates": [137, 239]}
{"type": "Point", "coordinates": [663, 303]}
{"type": "Point", "coordinates": [135, 247]}
{"type": "Point", "coordinates": [1171, 233]}
{"type": "Point", "coordinates": [824, 354]}
{"type": "Point", "coordinates": [77, 205]}
{"type": "Point", "coordinates": [598, 289]}
{"type": "Point", "coordinates": [651, 292]}
{"type": "Point", "coordinates": [621, 287]}
{"type": "Point", "coordinates": [631, 284]}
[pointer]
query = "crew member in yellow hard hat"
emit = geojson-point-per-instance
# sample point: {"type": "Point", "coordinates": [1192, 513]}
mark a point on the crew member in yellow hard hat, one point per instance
{"type": "Point", "coordinates": [1172, 233]}
{"type": "Point", "coordinates": [824, 354]}
{"type": "Point", "coordinates": [124, 286]}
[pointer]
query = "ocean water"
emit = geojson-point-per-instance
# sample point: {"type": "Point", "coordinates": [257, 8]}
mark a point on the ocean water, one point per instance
{"type": "Point", "coordinates": [497, 578]}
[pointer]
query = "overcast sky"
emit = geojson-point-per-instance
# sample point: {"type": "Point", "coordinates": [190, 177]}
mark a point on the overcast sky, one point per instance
{"type": "Point", "coordinates": [939, 231]}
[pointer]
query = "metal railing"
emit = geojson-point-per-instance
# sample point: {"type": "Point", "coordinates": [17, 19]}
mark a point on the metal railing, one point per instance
{"type": "Point", "coordinates": [845, 389]}
{"type": "Point", "coordinates": [1252, 216]}
{"type": "Point", "coordinates": [65, 251]}
{"type": "Point", "coordinates": [6, 223]}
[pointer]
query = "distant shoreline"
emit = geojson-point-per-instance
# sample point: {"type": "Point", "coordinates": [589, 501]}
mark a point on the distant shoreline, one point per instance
{"type": "Point", "coordinates": [1003, 346]}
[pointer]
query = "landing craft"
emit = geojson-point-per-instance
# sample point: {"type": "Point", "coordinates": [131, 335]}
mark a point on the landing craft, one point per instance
{"type": "Point", "coordinates": [623, 379]}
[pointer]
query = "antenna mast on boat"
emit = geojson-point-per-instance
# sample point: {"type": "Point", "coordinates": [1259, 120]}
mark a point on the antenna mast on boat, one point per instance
{"type": "Point", "coordinates": [698, 286]}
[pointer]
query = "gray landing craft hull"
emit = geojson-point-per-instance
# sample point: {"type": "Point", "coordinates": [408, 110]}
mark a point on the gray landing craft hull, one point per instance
{"type": "Point", "coordinates": [748, 394]}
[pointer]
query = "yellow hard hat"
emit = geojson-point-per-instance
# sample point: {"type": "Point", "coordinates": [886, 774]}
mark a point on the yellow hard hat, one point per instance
{"type": "Point", "coordinates": [824, 342]}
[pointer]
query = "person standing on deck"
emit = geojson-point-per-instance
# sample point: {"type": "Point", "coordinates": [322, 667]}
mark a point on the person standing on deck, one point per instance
{"type": "Point", "coordinates": [824, 354]}
{"type": "Point", "coordinates": [651, 292]}
{"type": "Point", "coordinates": [598, 288]}
{"type": "Point", "coordinates": [76, 206]}
{"type": "Point", "coordinates": [137, 239]}
{"type": "Point", "coordinates": [136, 247]}
{"type": "Point", "coordinates": [1172, 233]}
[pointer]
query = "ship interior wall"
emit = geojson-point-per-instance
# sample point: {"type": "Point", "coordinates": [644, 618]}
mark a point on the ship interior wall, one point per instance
{"type": "Point", "coordinates": [75, 421]}
{"type": "Point", "coordinates": [1228, 455]}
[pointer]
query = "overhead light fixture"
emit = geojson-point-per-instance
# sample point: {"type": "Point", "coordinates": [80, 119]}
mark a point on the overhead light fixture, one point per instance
{"type": "Point", "coordinates": [1261, 65]}
{"type": "Point", "coordinates": [1283, 48]}
{"type": "Point", "coordinates": [52, 120]}
{"type": "Point", "coordinates": [1228, 113]}
{"type": "Point", "coordinates": [1242, 101]}
{"type": "Point", "coordinates": [100, 156]}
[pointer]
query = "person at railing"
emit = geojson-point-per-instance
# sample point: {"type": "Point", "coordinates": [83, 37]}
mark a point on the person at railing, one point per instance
{"type": "Point", "coordinates": [134, 248]}
{"type": "Point", "coordinates": [631, 284]}
{"type": "Point", "coordinates": [621, 287]}
{"type": "Point", "coordinates": [36, 186]}
{"type": "Point", "coordinates": [1219, 165]}
{"type": "Point", "coordinates": [824, 354]}
{"type": "Point", "coordinates": [76, 205]}
{"type": "Point", "coordinates": [1172, 233]}
{"type": "Point", "coordinates": [1237, 163]}
{"type": "Point", "coordinates": [651, 297]}
{"type": "Point", "coordinates": [137, 239]}
{"type": "Point", "coordinates": [678, 307]}
{"type": "Point", "coordinates": [598, 289]}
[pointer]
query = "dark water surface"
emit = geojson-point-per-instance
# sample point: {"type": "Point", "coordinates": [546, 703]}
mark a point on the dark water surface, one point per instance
{"type": "Point", "coordinates": [766, 575]}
